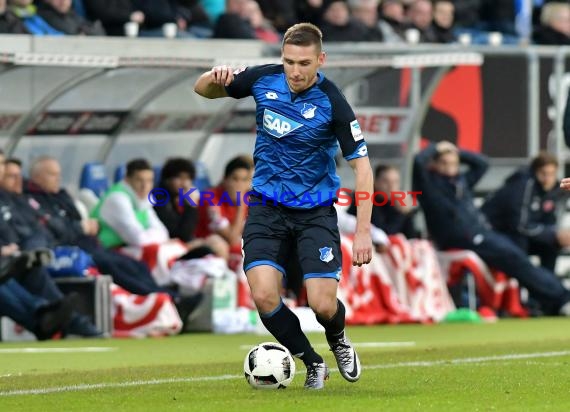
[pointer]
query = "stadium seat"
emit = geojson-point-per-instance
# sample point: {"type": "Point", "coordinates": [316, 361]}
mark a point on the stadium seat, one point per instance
{"type": "Point", "coordinates": [120, 173]}
{"type": "Point", "coordinates": [157, 171]}
{"type": "Point", "coordinates": [202, 179]}
{"type": "Point", "coordinates": [94, 178]}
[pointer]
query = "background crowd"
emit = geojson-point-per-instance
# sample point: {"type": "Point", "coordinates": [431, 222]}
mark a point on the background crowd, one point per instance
{"type": "Point", "coordinates": [389, 21]}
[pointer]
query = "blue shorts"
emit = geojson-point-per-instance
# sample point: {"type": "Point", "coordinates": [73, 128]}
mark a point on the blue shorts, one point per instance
{"type": "Point", "coordinates": [275, 234]}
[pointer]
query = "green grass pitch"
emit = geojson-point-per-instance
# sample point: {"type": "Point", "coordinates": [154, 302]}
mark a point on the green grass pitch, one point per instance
{"type": "Point", "coordinates": [511, 365]}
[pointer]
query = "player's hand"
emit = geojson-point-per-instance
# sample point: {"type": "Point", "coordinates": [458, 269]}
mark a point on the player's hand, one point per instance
{"type": "Point", "coordinates": [222, 75]}
{"type": "Point", "coordinates": [565, 184]}
{"type": "Point", "coordinates": [361, 249]}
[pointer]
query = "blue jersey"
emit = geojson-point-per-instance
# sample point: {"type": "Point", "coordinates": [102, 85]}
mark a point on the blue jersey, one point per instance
{"type": "Point", "coordinates": [298, 135]}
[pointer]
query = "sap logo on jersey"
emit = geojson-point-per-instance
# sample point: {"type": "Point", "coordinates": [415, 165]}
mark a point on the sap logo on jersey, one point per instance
{"type": "Point", "coordinates": [277, 125]}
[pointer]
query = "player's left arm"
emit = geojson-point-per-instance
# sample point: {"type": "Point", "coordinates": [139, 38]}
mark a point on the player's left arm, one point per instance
{"type": "Point", "coordinates": [347, 130]}
{"type": "Point", "coordinates": [362, 245]}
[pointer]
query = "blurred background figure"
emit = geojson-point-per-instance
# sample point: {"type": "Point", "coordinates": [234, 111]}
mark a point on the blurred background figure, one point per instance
{"type": "Point", "coordinates": [213, 9]}
{"type": "Point", "coordinates": [181, 217]}
{"type": "Point", "coordinates": [232, 24]}
{"type": "Point", "coordinates": [338, 25]}
{"type": "Point", "coordinates": [9, 22]}
{"type": "Point", "coordinates": [392, 21]}
{"type": "Point", "coordinates": [420, 16]}
{"type": "Point", "coordinates": [391, 218]}
{"type": "Point", "coordinates": [526, 210]}
{"type": "Point", "coordinates": [366, 12]}
{"type": "Point", "coordinates": [227, 212]}
{"type": "Point", "coordinates": [309, 10]}
{"type": "Point", "coordinates": [60, 15]}
{"type": "Point", "coordinates": [27, 12]}
{"type": "Point", "coordinates": [443, 21]}
{"type": "Point", "coordinates": [281, 14]}
{"type": "Point", "coordinates": [554, 25]}
{"type": "Point", "coordinates": [261, 26]}
{"type": "Point", "coordinates": [190, 19]}
{"type": "Point", "coordinates": [467, 13]}
{"type": "Point", "coordinates": [114, 14]}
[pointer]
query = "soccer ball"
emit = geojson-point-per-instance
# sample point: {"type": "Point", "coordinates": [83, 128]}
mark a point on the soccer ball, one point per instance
{"type": "Point", "coordinates": [269, 365]}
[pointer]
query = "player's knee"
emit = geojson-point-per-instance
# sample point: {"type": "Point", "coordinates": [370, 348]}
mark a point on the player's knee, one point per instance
{"type": "Point", "coordinates": [265, 300]}
{"type": "Point", "coordinates": [324, 307]}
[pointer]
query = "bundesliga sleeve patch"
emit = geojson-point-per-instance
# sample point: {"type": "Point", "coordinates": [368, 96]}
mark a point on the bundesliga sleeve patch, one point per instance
{"type": "Point", "coordinates": [356, 131]}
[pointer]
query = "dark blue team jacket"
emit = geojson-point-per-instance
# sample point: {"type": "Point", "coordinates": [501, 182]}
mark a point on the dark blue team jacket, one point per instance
{"type": "Point", "coordinates": [451, 217]}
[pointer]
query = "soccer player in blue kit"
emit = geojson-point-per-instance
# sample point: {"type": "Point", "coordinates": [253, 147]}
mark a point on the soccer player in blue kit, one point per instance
{"type": "Point", "coordinates": [301, 119]}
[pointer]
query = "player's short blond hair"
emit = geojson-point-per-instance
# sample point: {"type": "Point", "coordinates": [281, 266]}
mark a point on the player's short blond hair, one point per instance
{"type": "Point", "coordinates": [304, 34]}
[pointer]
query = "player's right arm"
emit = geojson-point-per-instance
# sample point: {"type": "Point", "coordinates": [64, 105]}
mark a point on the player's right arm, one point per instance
{"type": "Point", "coordinates": [212, 84]}
{"type": "Point", "coordinates": [223, 81]}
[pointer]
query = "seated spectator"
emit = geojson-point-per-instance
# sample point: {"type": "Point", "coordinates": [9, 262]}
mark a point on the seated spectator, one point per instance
{"type": "Point", "coordinates": [180, 216]}
{"type": "Point", "coordinates": [392, 219]}
{"type": "Point", "coordinates": [443, 19]}
{"type": "Point", "coordinates": [213, 9]}
{"type": "Point", "coordinates": [454, 222]}
{"type": "Point", "coordinates": [554, 25]}
{"type": "Point", "coordinates": [281, 14]}
{"type": "Point", "coordinates": [17, 235]}
{"type": "Point", "coordinates": [39, 316]}
{"type": "Point", "coordinates": [226, 212]}
{"type": "Point", "coordinates": [467, 13]}
{"type": "Point", "coordinates": [392, 21]}
{"type": "Point", "coordinates": [420, 15]}
{"type": "Point", "coordinates": [159, 12]}
{"type": "Point", "coordinates": [60, 15]}
{"type": "Point", "coordinates": [124, 213]}
{"type": "Point", "coordinates": [56, 210]}
{"type": "Point", "coordinates": [261, 26]}
{"type": "Point", "coordinates": [366, 11]}
{"type": "Point", "coordinates": [9, 22]}
{"type": "Point", "coordinates": [13, 181]}
{"type": "Point", "coordinates": [338, 26]}
{"type": "Point", "coordinates": [197, 20]}
{"type": "Point", "coordinates": [113, 14]}
{"type": "Point", "coordinates": [498, 15]}
{"type": "Point", "coordinates": [33, 22]}
{"type": "Point", "coordinates": [232, 24]}
{"type": "Point", "coordinates": [524, 209]}
{"type": "Point", "coordinates": [309, 10]}
{"type": "Point", "coordinates": [45, 202]}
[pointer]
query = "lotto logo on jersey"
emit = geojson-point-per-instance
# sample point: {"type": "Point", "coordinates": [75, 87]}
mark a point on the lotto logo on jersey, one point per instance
{"type": "Point", "coordinates": [362, 150]}
{"type": "Point", "coordinates": [277, 125]}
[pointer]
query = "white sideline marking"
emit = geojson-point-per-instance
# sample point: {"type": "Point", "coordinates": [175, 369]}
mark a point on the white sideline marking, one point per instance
{"type": "Point", "coordinates": [359, 345]}
{"type": "Point", "coordinates": [111, 385]}
{"type": "Point", "coordinates": [57, 350]}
